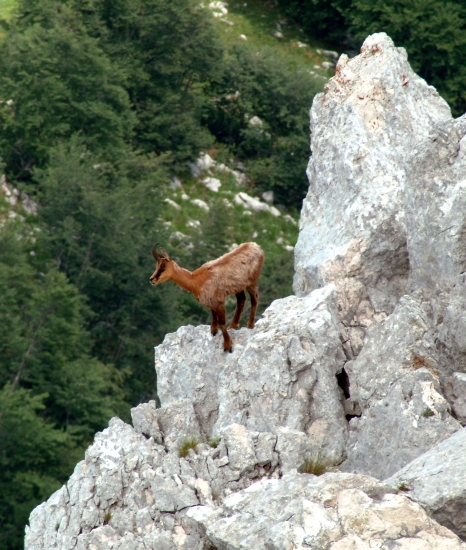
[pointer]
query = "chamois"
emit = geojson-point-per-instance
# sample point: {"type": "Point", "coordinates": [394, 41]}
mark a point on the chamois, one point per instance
{"type": "Point", "coordinates": [211, 283]}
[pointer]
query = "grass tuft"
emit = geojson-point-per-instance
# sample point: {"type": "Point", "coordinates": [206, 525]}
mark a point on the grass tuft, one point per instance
{"type": "Point", "coordinates": [190, 443]}
{"type": "Point", "coordinates": [107, 518]}
{"type": "Point", "coordinates": [314, 465]}
{"type": "Point", "coordinates": [428, 412]}
{"type": "Point", "coordinates": [403, 487]}
{"type": "Point", "coordinates": [214, 441]}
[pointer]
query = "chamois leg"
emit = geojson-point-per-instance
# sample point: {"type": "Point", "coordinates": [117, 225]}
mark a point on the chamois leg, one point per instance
{"type": "Point", "coordinates": [254, 294]}
{"type": "Point", "coordinates": [214, 325]}
{"type": "Point", "coordinates": [240, 301]}
{"type": "Point", "coordinates": [221, 314]}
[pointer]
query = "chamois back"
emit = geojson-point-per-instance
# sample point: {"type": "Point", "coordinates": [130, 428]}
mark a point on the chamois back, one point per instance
{"type": "Point", "coordinates": [232, 272]}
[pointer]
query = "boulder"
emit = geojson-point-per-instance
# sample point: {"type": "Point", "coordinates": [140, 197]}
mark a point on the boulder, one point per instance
{"type": "Point", "coordinates": [437, 481]}
{"type": "Point", "coordinates": [335, 511]}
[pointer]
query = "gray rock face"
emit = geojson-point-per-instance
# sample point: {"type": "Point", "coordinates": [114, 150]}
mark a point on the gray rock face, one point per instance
{"type": "Point", "coordinates": [282, 373]}
{"type": "Point", "coordinates": [372, 114]}
{"type": "Point", "coordinates": [126, 494]}
{"type": "Point", "coordinates": [395, 382]}
{"type": "Point", "coordinates": [436, 227]}
{"type": "Point", "coordinates": [437, 481]}
{"type": "Point", "coordinates": [335, 512]}
{"type": "Point", "coordinates": [456, 393]}
{"type": "Point", "coordinates": [435, 199]}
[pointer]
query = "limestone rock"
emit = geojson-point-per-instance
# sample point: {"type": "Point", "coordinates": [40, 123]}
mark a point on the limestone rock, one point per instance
{"type": "Point", "coordinates": [437, 481]}
{"type": "Point", "coordinates": [240, 448]}
{"type": "Point", "coordinates": [436, 227]}
{"type": "Point", "coordinates": [145, 421]}
{"type": "Point", "coordinates": [334, 511]}
{"type": "Point", "coordinates": [456, 392]}
{"type": "Point", "coordinates": [282, 373]}
{"type": "Point", "coordinates": [178, 422]}
{"type": "Point", "coordinates": [126, 494]}
{"type": "Point", "coordinates": [395, 382]}
{"type": "Point", "coordinates": [372, 114]}
{"type": "Point", "coordinates": [435, 206]}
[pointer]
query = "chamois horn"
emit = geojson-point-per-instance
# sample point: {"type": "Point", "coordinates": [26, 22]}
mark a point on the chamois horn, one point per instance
{"type": "Point", "coordinates": [156, 255]}
{"type": "Point", "coordinates": [165, 253]}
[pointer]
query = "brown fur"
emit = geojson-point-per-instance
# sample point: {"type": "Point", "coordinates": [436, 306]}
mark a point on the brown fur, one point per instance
{"type": "Point", "coordinates": [211, 283]}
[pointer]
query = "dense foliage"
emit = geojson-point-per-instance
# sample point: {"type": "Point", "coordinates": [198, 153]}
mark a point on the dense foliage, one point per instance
{"type": "Point", "coordinates": [53, 394]}
{"type": "Point", "coordinates": [260, 109]}
{"type": "Point", "coordinates": [101, 103]}
{"type": "Point", "coordinates": [432, 31]}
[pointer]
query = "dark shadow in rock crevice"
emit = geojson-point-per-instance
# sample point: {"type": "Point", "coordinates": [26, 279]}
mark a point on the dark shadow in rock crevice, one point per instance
{"type": "Point", "coordinates": [344, 382]}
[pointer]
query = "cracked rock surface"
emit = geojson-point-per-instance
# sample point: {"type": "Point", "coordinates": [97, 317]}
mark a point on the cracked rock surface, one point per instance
{"type": "Point", "coordinates": [282, 373]}
{"type": "Point", "coordinates": [335, 512]}
{"type": "Point", "coordinates": [437, 481]}
{"type": "Point", "coordinates": [373, 112]}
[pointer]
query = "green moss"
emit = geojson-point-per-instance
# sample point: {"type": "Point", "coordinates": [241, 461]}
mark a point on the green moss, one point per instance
{"type": "Point", "coordinates": [427, 413]}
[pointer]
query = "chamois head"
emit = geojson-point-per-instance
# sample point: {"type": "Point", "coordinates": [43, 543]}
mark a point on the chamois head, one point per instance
{"type": "Point", "coordinates": [164, 268]}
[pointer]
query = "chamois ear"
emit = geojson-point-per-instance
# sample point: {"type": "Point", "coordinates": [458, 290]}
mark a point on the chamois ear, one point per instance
{"type": "Point", "coordinates": [166, 254]}
{"type": "Point", "coordinates": [156, 255]}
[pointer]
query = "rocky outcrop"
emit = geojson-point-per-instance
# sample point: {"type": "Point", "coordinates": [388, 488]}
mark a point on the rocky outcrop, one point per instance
{"type": "Point", "coordinates": [131, 493]}
{"type": "Point", "coordinates": [395, 382]}
{"type": "Point", "coordinates": [335, 511]}
{"type": "Point", "coordinates": [352, 230]}
{"type": "Point", "coordinates": [282, 373]}
{"type": "Point", "coordinates": [362, 373]}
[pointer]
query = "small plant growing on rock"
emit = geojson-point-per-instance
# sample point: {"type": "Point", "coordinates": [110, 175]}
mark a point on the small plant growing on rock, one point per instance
{"type": "Point", "coordinates": [428, 412]}
{"type": "Point", "coordinates": [190, 443]}
{"type": "Point", "coordinates": [216, 496]}
{"type": "Point", "coordinates": [403, 487]}
{"type": "Point", "coordinates": [314, 465]}
{"type": "Point", "coordinates": [107, 518]}
{"type": "Point", "coordinates": [214, 441]}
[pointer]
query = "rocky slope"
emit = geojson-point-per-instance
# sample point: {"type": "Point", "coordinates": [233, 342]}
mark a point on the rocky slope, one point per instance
{"type": "Point", "coordinates": [361, 373]}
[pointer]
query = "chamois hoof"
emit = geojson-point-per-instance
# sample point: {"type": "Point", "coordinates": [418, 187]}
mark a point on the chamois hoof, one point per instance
{"type": "Point", "coordinates": [214, 332]}
{"type": "Point", "coordinates": [228, 350]}
{"type": "Point", "coordinates": [249, 325]}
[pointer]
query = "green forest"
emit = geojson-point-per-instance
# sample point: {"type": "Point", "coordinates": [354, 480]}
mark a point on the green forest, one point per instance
{"type": "Point", "coordinates": [104, 104]}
